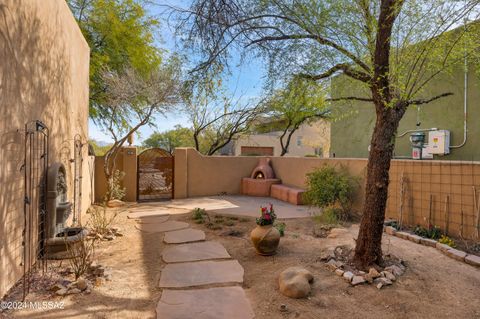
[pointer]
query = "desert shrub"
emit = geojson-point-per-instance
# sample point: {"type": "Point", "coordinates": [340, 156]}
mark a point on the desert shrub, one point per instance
{"type": "Point", "coordinates": [328, 187]}
{"type": "Point", "coordinates": [332, 216]}
{"type": "Point", "coordinates": [198, 213]}
{"type": "Point", "coordinates": [114, 188]}
{"type": "Point", "coordinates": [447, 241]}
{"type": "Point", "coordinates": [80, 254]}
{"type": "Point", "coordinates": [101, 220]}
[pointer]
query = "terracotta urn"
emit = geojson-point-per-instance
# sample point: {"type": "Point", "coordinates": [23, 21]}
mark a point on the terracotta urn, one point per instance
{"type": "Point", "coordinates": [265, 239]}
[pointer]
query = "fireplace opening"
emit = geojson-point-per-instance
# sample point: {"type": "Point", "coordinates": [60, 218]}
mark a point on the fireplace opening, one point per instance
{"type": "Point", "coordinates": [259, 175]}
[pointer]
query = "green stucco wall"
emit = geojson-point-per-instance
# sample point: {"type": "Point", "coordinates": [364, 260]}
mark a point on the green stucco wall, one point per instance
{"type": "Point", "coordinates": [352, 129]}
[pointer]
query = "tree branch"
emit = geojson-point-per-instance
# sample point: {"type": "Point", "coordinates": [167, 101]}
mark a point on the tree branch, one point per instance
{"type": "Point", "coordinates": [349, 98]}
{"type": "Point", "coordinates": [345, 68]}
{"type": "Point", "coordinates": [426, 101]}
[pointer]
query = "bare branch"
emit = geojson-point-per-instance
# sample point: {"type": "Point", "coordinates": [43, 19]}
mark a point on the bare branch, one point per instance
{"type": "Point", "coordinates": [426, 101]}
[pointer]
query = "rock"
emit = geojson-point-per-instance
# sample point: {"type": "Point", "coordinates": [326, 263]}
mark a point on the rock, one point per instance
{"type": "Point", "coordinates": [99, 281]}
{"type": "Point", "coordinates": [374, 273]}
{"type": "Point", "coordinates": [74, 291]}
{"type": "Point", "coordinates": [380, 282]}
{"type": "Point", "coordinates": [368, 278]}
{"type": "Point", "coordinates": [81, 284]}
{"type": "Point", "coordinates": [115, 203]}
{"type": "Point", "coordinates": [361, 273]}
{"type": "Point", "coordinates": [326, 255]}
{"type": "Point", "coordinates": [283, 308]}
{"type": "Point", "coordinates": [389, 275]}
{"type": "Point", "coordinates": [394, 269]}
{"type": "Point", "coordinates": [415, 238]}
{"type": "Point", "coordinates": [402, 234]}
{"type": "Point", "coordinates": [390, 230]}
{"type": "Point", "coordinates": [333, 264]}
{"type": "Point", "coordinates": [356, 280]}
{"type": "Point", "coordinates": [428, 242]}
{"type": "Point", "coordinates": [94, 265]}
{"type": "Point", "coordinates": [62, 292]}
{"type": "Point", "coordinates": [57, 287]}
{"type": "Point", "coordinates": [442, 247]}
{"type": "Point", "coordinates": [295, 282]}
{"type": "Point", "coordinates": [339, 272]}
{"type": "Point", "coordinates": [473, 260]}
{"type": "Point", "coordinates": [336, 232]}
{"type": "Point", "coordinates": [456, 254]}
{"type": "Point", "coordinates": [109, 237]}
{"type": "Point", "coordinates": [348, 275]}
{"type": "Point", "coordinates": [99, 271]}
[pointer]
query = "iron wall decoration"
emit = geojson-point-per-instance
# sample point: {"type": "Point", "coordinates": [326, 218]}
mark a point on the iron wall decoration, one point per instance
{"type": "Point", "coordinates": [154, 175]}
{"type": "Point", "coordinates": [35, 167]}
{"type": "Point", "coordinates": [77, 186]}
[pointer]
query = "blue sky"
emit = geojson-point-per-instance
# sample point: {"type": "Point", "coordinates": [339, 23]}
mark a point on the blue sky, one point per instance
{"type": "Point", "coordinates": [246, 80]}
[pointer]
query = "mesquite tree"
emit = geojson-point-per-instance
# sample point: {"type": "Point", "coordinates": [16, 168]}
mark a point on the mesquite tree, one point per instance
{"type": "Point", "coordinates": [393, 48]}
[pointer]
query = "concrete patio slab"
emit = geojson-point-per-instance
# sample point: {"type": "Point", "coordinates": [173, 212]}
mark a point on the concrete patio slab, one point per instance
{"type": "Point", "coordinates": [201, 273]}
{"type": "Point", "coordinates": [162, 227]}
{"type": "Point", "coordinates": [152, 220]}
{"type": "Point", "coordinates": [184, 236]}
{"type": "Point", "coordinates": [141, 213]}
{"type": "Point", "coordinates": [212, 303]}
{"type": "Point", "coordinates": [195, 252]}
{"type": "Point", "coordinates": [236, 205]}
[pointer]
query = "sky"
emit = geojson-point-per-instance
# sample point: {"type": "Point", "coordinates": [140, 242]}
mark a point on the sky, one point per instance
{"type": "Point", "coordinates": [246, 80]}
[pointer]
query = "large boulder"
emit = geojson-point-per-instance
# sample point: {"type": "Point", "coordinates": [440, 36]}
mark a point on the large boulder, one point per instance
{"type": "Point", "coordinates": [295, 282]}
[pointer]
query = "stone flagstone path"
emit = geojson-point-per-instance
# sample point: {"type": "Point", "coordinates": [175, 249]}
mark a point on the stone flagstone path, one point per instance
{"type": "Point", "coordinates": [193, 263]}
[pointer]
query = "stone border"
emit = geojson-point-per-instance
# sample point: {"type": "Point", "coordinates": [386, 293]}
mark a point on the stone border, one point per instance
{"type": "Point", "coordinates": [445, 249]}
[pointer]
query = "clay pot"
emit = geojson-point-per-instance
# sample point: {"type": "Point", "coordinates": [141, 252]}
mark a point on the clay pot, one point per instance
{"type": "Point", "coordinates": [265, 239]}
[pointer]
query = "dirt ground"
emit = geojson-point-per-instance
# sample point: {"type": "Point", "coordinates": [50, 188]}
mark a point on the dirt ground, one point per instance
{"type": "Point", "coordinates": [434, 286]}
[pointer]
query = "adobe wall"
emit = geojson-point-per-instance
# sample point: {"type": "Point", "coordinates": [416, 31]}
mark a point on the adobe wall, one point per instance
{"type": "Point", "coordinates": [44, 75]}
{"type": "Point", "coordinates": [198, 175]}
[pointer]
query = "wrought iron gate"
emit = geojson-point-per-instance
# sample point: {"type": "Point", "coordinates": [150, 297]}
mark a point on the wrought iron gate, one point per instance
{"type": "Point", "coordinates": [154, 175]}
{"type": "Point", "coordinates": [35, 168]}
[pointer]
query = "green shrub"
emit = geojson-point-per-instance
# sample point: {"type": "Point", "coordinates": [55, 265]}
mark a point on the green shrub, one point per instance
{"type": "Point", "coordinates": [198, 214]}
{"type": "Point", "coordinates": [433, 233]}
{"type": "Point", "coordinates": [114, 188]}
{"type": "Point", "coordinates": [328, 187]}
{"type": "Point", "coordinates": [281, 228]}
{"type": "Point", "coordinates": [331, 216]}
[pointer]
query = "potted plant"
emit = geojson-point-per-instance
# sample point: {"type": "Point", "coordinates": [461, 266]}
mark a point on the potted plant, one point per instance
{"type": "Point", "coordinates": [265, 237]}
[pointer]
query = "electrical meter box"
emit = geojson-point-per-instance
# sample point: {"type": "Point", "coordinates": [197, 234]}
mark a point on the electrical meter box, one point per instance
{"type": "Point", "coordinates": [439, 142]}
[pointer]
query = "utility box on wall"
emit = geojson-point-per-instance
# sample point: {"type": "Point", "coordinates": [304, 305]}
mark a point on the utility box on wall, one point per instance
{"type": "Point", "coordinates": [439, 142]}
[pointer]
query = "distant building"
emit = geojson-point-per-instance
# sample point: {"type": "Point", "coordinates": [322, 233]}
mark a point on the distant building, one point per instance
{"type": "Point", "coordinates": [309, 140]}
{"type": "Point", "coordinates": [351, 132]}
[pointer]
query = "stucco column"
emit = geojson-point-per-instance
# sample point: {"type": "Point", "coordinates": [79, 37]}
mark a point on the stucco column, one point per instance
{"type": "Point", "coordinates": [180, 177]}
{"type": "Point", "coordinates": [130, 168]}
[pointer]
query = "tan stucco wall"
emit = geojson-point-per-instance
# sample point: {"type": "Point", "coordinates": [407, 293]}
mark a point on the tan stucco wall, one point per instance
{"type": "Point", "coordinates": [44, 75]}
{"type": "Point", "coordinates": [312, 136]}
{"type": "Point", "coordinates": [126, 162]}
{"type": "Point", "coordinates": [213, 175]}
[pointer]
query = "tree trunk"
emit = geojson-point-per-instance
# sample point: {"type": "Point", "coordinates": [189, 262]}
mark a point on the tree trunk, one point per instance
{"type": "Point", "coordinates": [368, 248]}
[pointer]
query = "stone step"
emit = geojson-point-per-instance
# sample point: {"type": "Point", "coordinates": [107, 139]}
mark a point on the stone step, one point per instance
{"type": "Point", "coordinates": [162, 227]}
{"type": "Point", "coordinates": [201, 273]}
{"type": "Point", "coordinates": [211, 303]}
{"type": "Point", "coordinates": [195, 252]}
{"type": "Point", "coordinates": [184, 236]}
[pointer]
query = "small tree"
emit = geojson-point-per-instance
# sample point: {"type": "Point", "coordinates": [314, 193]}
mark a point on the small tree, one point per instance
{"type": "Point", "coordinates": [133, 102]}
{"type": "Point", "coordinates": [301, 102]}
{"type": "Point", "coordinates": [216, 118]}
{"type": "Point", "coordinates": [169, 140]}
